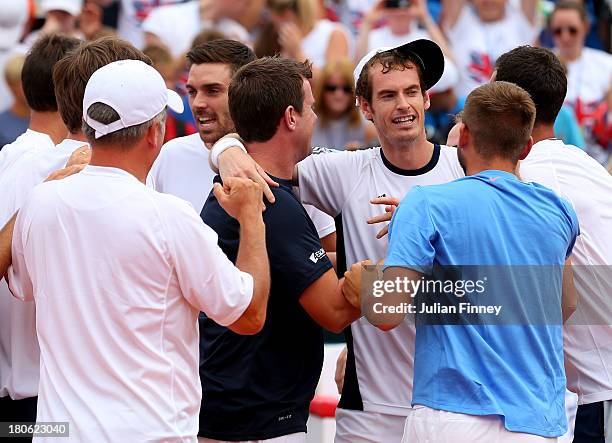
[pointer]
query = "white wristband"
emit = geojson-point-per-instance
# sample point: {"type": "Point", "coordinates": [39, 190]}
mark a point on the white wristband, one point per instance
{"type": "Point", "coordinates": [222, 145]}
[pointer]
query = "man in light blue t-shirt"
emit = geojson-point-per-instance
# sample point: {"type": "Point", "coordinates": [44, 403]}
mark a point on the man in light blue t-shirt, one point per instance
{"type": "Point", "coordinates": [489, 352]}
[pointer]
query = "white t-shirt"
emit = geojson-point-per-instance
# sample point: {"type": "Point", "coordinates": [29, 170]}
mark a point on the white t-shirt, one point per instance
{"type": "Point", "coordinates": [29, 140]}
{"type": "Point", "coordinates": [182, 169]}
{"type": "Point", "coordinates": [177, 25]}
{"type": "Point", "coordinates": [383, 37]}
{"type": "Point", "coordinates": [19, 352]}
{"type": "Point", "coordinates": [582, 181]}
{"type": "Point", "coordinates": [131, 16]}
{"type": "Point", "coordinates": [314, 45]}
{"type": "Point", "coordinates": [342, 183]}
{"type": "Point", "coordinates": [589, 77]}
{"type": "Point", "coordinates": [477, 45]}
{"type": "Point", "coordinates": [119, 273]}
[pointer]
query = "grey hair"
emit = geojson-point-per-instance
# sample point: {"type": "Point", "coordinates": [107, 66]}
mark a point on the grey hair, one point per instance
{"type": "Point", "coordinates": [126, 137]}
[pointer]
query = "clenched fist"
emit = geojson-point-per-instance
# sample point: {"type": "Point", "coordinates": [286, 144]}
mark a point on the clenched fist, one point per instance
{"type": "Point", "coordinates": [352, 283]}
{"type": "Point", "coordinates": [241, 198]}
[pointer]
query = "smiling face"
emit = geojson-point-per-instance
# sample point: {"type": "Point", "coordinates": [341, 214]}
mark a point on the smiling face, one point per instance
{"type": "Point", "coordinates": [398, 105]}
{"type": "Point", "coordinates": [207, 86]}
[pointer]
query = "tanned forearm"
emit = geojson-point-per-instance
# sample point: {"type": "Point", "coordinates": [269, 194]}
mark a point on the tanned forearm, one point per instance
{"type": "Point", "coordinates": [6, 239]}
{"type": "Point", "coordinates": [343, 312]}
{"type": "Point", "coordinates": [253, 259]}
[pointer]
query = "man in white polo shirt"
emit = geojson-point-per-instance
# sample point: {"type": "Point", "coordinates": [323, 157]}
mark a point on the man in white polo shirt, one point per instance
{"type": "Point", "coordinates": [120, 272]}
{"type": "Point", "coordinates": [19, 363]}
{"type": "Point", "coordinates": [582, 181]}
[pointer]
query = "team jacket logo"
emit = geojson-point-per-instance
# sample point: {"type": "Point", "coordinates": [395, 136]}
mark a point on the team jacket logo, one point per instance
{"type": "Point", "coordinates": [316, 256]}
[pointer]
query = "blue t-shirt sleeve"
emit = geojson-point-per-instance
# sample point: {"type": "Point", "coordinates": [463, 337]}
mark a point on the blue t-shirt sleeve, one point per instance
{"type": "Point", "coordinates": [574, 226]}
{"type": "Point", "coordinates": [412, 233]}
{"type": "Point", "coordinates": [297, 258]}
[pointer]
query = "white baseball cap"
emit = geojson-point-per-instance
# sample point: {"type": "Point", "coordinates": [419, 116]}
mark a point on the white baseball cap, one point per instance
{"type": "Point", "coordinates": [12, 21]}
{"type": "Point", "coordinates": [135, 90]}
{"type": "Point", "coordinates": [72, 7]}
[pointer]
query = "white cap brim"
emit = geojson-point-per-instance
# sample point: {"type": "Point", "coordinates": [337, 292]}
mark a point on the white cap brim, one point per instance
{"type": "Point", "coordinates": [175, 102]}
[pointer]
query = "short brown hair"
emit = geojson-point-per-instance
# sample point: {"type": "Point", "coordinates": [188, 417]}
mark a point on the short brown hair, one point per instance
{"type": "Point", "coordinates": [261, 91]}
{"type": "Point", "coordinates": [71, 74]}
{"type": "Point", "coordinates": [230, 52]}
{"type": "Point", "coordinates": [570, 5]}
{"type": "Point", "coordinates": [388, 60]}
{"type": "Point", "coordinates": [500, 117]}
{"type": "Point", "coordinates": [37, 72]}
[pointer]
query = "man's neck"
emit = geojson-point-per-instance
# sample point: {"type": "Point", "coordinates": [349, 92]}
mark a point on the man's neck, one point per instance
{"type": "Point", "coordinates": [20, 109]}
{"type": "Point", "coordinates": [117, 157]}
{"type": "Point", "coordinates": [542, 132]}
{"type": "Point", "coordinates": [274, 156]}
{"type": "Point", "coordinates": [477, 166]}
{"type": "Point", "coordinates": [409, 156]}
{"type": "Point", "coordinates": [77, 136]}
{"type": "Point", "coordinates": [49, 123]}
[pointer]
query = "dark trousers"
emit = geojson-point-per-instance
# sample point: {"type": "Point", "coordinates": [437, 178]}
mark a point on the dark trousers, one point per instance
{"type": "Point", "coordinates": [590, 423]}
{"type": "Point", "coordinates": [18, 411]}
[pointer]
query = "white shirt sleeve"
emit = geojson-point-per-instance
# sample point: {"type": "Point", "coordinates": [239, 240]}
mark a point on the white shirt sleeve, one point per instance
{"type": "Point", "coordinates": [19, 280]}
{"type": "Point", "coordinates": [327, 178]}
{"type": "Point", "coordinates": [324, 223]}
{"type": "Point", "coordinates": [207, 278]}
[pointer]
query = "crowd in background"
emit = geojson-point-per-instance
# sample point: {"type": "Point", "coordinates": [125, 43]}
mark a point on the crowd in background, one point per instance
{"type": "Point", "coordinates": [333, 34]}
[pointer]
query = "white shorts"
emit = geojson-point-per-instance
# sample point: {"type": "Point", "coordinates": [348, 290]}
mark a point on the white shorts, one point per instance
{"type": "Point", "coordinates": [298, 437]}
{"type": "Point", "coordinates": [368, 427]}
{"type": "Point", "coordinates": [426, 425]}
{"type": "Point", "coordinates": [571, 406]}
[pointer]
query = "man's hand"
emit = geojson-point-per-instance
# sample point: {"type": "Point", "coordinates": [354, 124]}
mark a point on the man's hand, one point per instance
{"type": "Point", "coordinates": [392, 204]}
{"type": "Point", "coordinates": [233, 162]}
{"type": "Point", "coordinates": [351, 288]}
{"type": "Point", "coordinates": [80, 156]}
{"type": "Point", "coordinates": [65, 172]}
{"type": "Point", "coordinates": [340, 370]}
{"type": "Point", "coordinates": [241, 198]}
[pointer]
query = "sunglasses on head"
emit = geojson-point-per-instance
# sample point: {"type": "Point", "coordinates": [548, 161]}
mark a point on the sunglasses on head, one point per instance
{"type": "Point", "coordinates": [333, 88]}
{"type": "Point", "coordinates": [571, 29]}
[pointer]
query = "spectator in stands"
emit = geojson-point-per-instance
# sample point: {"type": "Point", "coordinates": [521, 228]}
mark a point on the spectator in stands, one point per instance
{"type": "Point", "coordinates": [340, 124]}
{"type": "Point", "coordinates": [302, 35]}
{"type": "Point", "coordinates": [175, 26]}
{"type": "Point", "coordinates": [132, 14]}
{"type": "Point", "coordinates": [404, 21]}
{"type": "Point", "coordinates": [60, 17]}
{"type": "Point", "coordinates": [589, 75]}
{"type": "Point", "coordinates": [483, 30]}
{"type": "Point", "coordinates": [14, 121]}
{"type": "Point", "coordinates": [15, 15]}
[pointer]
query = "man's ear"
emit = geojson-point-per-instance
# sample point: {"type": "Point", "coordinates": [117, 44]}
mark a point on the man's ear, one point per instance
{"type": "Point", "coordinates": [366, 109]}
{"type": "Point", "coordinates": [290, 118]}
{"type": "Point", "coordinates": [155, 134]}
{"type": "Point", "coordinates": [426, 101]}
{"type": "Point", "coordinates": [464, 136]}
{"type": "Point", "coordinates": [526, 149]}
